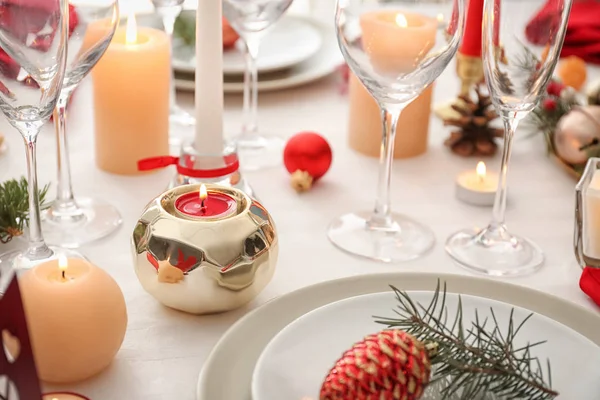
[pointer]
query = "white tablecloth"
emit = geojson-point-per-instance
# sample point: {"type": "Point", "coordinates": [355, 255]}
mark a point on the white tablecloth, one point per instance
{"type": "Point", "coordinates": [164, 349]}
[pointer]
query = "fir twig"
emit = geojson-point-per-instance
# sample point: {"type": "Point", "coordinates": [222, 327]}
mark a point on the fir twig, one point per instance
{"type": "Point", "coordinates": [14, 207]}
{"type": "Point", "coordinates": [477, 359]}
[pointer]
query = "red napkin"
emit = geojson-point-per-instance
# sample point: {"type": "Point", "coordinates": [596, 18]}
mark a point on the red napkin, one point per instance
{"type": "Point", "coordinates": [583, 30]}
{"type": "Point", "coordinates": [590, 283]}
{"type": "Point", "coordinates": [8, 67]}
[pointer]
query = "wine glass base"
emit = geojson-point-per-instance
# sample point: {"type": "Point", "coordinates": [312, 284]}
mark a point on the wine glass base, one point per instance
{"type": "Point", "coordinates": [259, 151]}
{"type": "Point", "coordinates": [19, 261]}
{"type": "Point", "coordinates": [93, 220]}
{"type": "Point", "coordinates": [495, 252]}
{"type": "Point", "coordinates": [406, 241]}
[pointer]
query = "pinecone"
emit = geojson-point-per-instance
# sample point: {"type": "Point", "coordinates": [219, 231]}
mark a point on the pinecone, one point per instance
{"type": "Point", "coordinates": [389, 365]}
{"type": "Point", "coordinates": [475, 137]}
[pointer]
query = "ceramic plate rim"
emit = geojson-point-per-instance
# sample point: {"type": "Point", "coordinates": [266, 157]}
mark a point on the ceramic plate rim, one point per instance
{"type": "Point", "coordinates": [307, 76]}
{"type": "Point", "coordinates": [178, 67]}
{"type": "Point", "coordinates": [314, 296]}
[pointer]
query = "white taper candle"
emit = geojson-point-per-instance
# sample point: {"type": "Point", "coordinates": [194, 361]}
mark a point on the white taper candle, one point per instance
{"type": "Point", "coordinates": [209, 77]}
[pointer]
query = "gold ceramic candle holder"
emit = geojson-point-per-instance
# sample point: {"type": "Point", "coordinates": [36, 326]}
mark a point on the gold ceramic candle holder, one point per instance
{"type": "Point", "coordinates": [204, 265]}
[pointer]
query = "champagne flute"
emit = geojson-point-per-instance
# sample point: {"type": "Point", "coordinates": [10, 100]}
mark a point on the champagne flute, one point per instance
{"type": "Point", "coordinates": [396, 48]}
{"type": "Point", "coordinates": [34, 35]}
{"type": "Point", "coordinates": [169, 10]}
{"type": "Point", "coordinates": [517, 74]}
{"type": "Point", "coordinates": [252, 19]}
{"type": "Point", "coordinates": [71, 222]}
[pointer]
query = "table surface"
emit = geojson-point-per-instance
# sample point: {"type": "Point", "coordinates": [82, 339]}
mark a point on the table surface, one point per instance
{"type": "Point", "coordinates": [164, 350]}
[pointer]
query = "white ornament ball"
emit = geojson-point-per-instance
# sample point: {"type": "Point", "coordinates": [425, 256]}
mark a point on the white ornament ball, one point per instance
{"type": "Point", "coordinates": [575, 130]}
{"type": "Point", "coordinates": [593, 93]}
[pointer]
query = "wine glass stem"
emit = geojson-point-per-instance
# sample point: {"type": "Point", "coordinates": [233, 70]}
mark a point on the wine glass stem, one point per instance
{"type": "Point", "coordinates": [65, 201]}
{"type": "Point", "coordinates": [381, 217]}
{"type": "Point", "coordinates": [251, 86]}
{"type": "Point", "coordinates": [169, 15]}
{"type": "Point", "coordinates": [511, 121]}
{"type": "Point", "coordinates": [37, 248]}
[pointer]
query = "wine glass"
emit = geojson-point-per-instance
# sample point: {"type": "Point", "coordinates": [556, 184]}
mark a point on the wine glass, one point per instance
{"type": "Point", "coordinates": [396, 48]}
{"type": "Point", "coordinates": [517, 73]}
{"type": "Point", "coordinates": [71, 222]}
{"type": "Point", "coordinates": [34, 35]}
{"type": "Point", "coordinates": [252, 19]}
{"type": "Point", "coordinates": [169, 10]}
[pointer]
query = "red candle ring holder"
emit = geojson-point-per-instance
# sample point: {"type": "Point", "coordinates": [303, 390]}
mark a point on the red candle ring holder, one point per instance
{"type": "Point", "coordinates": [57, 395]}
{"type": "Point", "coordinates": [195, 167]}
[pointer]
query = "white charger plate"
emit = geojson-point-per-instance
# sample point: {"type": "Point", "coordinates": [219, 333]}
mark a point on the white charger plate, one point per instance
{"type": "Point", "coordinates": [295, 363]}
{"type": "Point", "coordinates": [227, 373]}
{"type": "Point", "coordinates": [293, 39]}
{"type": "Point", "coordinates": [323, 63]}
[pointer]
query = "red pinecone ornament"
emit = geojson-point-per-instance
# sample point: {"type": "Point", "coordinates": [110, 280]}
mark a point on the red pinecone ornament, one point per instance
{"type": "Point", "coordinates": [389, 365]}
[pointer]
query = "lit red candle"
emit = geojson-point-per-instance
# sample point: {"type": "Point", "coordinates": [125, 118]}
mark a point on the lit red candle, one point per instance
{"type": "Point", "coordinates": [206, 204]}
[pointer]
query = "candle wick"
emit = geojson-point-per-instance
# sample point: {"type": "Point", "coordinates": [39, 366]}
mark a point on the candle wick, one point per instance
{"type": "Point", "coordinates": [64, 277]}
{"type": "Point", "coordinates": [203, 204]}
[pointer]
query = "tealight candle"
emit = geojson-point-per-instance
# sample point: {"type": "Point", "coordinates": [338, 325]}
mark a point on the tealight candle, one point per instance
{"type": "Point", "coordinates": [63, 396]}
{"type": "Point", "coordinates": [206, 204]}
{"type": "Point", "coordinates": [76, 316]}
{"type": "Point", "coordinates": [477, 187]}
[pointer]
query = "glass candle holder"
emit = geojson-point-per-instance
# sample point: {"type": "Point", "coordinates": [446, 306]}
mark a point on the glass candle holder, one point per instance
{"type": "Point", "coordinates": [587, 216]}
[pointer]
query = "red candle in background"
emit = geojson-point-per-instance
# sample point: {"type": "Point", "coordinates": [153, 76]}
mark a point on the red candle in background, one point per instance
{"type": "Point", "coordinates": [206, 204]}
{"type": "Point", "coordinates": [471, 42]}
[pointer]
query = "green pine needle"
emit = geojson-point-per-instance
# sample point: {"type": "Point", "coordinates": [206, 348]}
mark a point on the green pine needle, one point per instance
{"type": "Point", "coordinates": [14, 207]}
{"type": "Point", "coordinates": [474, 360]}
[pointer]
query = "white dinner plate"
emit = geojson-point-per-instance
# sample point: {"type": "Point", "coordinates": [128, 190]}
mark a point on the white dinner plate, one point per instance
{"type": "Point", "coordinates": [227, 373]}
{"type": "Point", "coordinates": [324, 62]}
{"type": "Point", "coordinates": [293, 39]}
{"type": "Point", "coordinates": [295, 363]}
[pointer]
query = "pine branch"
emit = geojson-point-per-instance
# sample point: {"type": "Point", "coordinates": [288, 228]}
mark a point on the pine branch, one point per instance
{"type": "Point", "coordinates": [477, 359]}
{"type": "Point", "coordinates": [14, 207]}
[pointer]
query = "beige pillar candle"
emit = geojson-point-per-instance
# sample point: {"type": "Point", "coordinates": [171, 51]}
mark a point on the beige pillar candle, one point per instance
{"type": "Point", "coordinates": [76, 316]}
{"type": "Point", "coordinates": [365, 126]}
{"type": "Point", "coordinates": [131, 99]}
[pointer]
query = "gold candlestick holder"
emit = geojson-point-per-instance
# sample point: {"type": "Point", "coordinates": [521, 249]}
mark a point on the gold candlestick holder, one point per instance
{"type": "Point", "coordinates": [470, 72]}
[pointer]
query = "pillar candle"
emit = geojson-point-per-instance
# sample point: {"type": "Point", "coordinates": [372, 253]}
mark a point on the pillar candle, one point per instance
{"type": "Point", "coordinates": [592, 218]}
{"type": "Point", "coordinates": [76, 316]}
{"type": "Point", "coordinates": [395, 41]}
{"type": "Point", "coordinates": [209, 77]}
{"type": "Point", "coordinates": [131, 99]}
{"type": "Point", "coordinates": [365, 126]}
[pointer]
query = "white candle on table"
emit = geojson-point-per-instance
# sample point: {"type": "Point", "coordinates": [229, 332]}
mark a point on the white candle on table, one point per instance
{"type": "Point", "coordinates": [209, 77]}
{"type": "Point", "coordinates": [592, 218]}
{"type": "Point", "coordinates": [477, 187]}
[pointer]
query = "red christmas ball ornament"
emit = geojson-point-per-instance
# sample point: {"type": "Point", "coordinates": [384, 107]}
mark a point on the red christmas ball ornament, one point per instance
{"type": "Point", "coordinates": [307, 156]}
{"type": "Point", "coordinates": [388, 365]}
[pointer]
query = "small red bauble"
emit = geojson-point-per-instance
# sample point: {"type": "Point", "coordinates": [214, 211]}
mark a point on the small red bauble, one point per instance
{"type": "Point", "coordinates": [307, 156]}
{"type": "Point", "coordinates": [388, 365]}
{"type": "Point", "coordinates": [555, 88]}
{"type": "Point", "coordinates": [549, 104]}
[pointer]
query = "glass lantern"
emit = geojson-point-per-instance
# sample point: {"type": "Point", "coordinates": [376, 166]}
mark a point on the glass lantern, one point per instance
{"type": "Point", "coordinates": [587, 216]}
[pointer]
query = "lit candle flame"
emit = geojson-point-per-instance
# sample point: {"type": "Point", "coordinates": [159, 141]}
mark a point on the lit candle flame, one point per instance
{"type": "Point", "coordinates": [481, 171]}
{"type": "Point", "coordinates": [440, 18]}
{"type": "Point", "coordinates": [131, 30]}
{"type": "Point", "coordinates": [401, 21]}
{"type": "Point", "coordinates": [63, 264]}
{"type": "Point", "coordinates": [203, 196]}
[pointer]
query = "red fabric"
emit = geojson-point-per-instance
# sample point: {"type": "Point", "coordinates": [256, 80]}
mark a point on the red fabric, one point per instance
{"type": "Point", "coordinates": [8, 67]}
{"type": "Point", "coordinates": [590, 283]}
{"type": "Point", "coordinates": [583, 30]}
